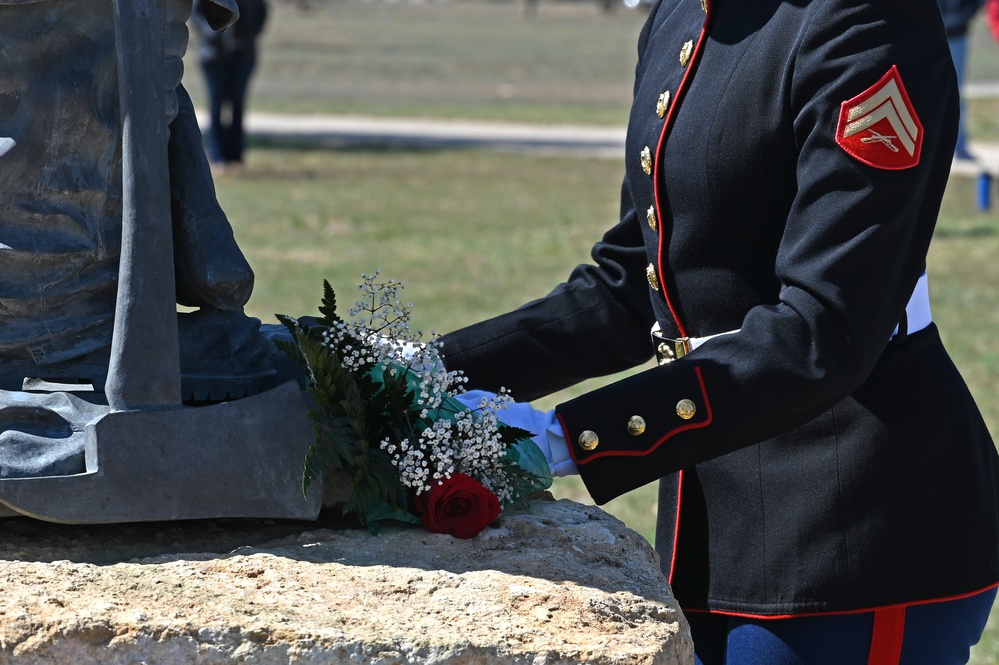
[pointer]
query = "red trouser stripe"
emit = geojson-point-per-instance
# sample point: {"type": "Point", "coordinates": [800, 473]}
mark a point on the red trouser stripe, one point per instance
{"type": "Point", "coordinates": [886, 642]}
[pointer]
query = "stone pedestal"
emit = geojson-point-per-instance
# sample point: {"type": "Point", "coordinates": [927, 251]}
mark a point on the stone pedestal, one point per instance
{"type": "Point", "coordinates": [559, 583]}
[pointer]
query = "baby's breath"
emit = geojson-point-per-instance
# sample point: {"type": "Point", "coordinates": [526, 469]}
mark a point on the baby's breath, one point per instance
{"type": "Point", "coordinates": [386, 413]}
{"type": "Point", "coordinates": [443, 440]}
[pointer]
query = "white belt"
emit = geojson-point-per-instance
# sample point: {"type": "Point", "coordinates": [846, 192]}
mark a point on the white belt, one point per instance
{"type": "Point", "coordinates": [669, 349]}
{"type": "Point", "coordinates": [917, 310]}
{"type": "Point", "coordinates": [917, 317]}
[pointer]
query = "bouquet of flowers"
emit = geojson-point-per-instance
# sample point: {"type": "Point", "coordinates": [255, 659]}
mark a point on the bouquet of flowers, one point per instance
{"type": "Point", "coordinates": [386, 414]}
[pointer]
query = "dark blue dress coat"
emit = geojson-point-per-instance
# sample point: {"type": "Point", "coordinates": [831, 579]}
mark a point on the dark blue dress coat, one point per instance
{"type": "Point", "coordinates": [785, 163]}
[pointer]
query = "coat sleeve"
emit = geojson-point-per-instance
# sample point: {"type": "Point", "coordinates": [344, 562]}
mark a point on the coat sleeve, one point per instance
{"type": "Point", "coordinates": [854, 246]}
{"type": "Point", "coordinates": [598, 315]}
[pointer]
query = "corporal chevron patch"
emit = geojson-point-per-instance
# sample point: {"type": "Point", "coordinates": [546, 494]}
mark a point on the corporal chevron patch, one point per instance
{"type": "Point", "coordinates": [880, 127]}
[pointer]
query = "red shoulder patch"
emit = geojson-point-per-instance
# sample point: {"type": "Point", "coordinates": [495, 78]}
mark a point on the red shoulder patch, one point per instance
{"type": "Point", "coordinates": [880, 127]}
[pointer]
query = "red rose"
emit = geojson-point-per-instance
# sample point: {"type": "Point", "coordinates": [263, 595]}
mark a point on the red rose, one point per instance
{"type": "Point", "coordinates": [460, 506]}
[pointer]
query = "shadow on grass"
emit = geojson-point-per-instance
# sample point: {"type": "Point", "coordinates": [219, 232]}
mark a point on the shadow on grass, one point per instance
{"type": "Point", "coordinates": [323, 143]}
{"type": "Point", "coordinates": [971, 232]}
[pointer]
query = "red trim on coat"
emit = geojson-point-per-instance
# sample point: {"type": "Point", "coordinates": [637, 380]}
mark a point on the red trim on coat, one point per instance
{"type": "Point", "coordinates": [676, 527]}
{"type": "Point", "coordinates": [886, 638]}
{"type": "Point", "coordinates": [654, 447]}
{"type": "Point", "coordinates": [765, 617]}
{"type": "Point", "coordinates": [568, 441]}
{"type": "Point", "coordinates": [658, 160]}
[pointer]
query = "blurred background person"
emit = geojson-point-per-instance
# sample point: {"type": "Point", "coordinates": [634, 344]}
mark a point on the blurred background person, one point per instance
{"type": "Point", "coordinates": [227, 60]}
{"type": "Point", "coordinates": [957, 14]}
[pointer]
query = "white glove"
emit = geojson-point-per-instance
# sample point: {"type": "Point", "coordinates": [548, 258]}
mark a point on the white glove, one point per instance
{"type": "Point", "coordinates": [548, 431]}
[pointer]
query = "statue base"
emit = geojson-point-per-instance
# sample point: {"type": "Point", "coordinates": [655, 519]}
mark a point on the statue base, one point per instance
{"type": "Point", "coordinates": [556, 584]}
{"type": "Point", "coordinates": [234, 459]}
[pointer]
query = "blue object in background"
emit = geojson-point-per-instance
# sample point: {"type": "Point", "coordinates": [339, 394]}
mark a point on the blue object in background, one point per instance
{"type": "Point", "coordinates": [984, 191]}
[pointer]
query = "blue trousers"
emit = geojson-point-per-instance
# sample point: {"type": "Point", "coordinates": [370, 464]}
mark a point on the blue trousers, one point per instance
{"type": "Point", "coordinates": [227, 80]}
{"type": "Point", "coordinates": [931, 634]}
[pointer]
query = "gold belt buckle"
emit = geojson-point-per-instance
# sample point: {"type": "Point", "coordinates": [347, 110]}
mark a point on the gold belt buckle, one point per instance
{"type": "Point", "coordinates": [668, 350]}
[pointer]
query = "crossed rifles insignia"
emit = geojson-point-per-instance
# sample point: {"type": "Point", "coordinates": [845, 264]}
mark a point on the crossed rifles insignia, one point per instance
{"type": "Point", "coordinates": [879, 127]}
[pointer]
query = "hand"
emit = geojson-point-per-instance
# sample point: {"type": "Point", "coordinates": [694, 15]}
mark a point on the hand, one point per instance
{"type": "Point", "coordinates": [546, 427]}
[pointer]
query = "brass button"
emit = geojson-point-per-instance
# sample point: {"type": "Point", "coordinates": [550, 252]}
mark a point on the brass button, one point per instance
{"type": "Point", "coordinates": [686, 409]}
{"type": "Point", "coordinates": [704, 6]}
{"type": "Point", "coordinates": [636, 426]}
{"type": "Point", "coordinates": [662, 105]}
{"type": "Point", "coordinates": [686, 52]}
{"type": "Point", "coordinates": [647, 160]}
{"type": "Point", "coordinates": [650, 215]}
{"type": "Point", "coordinates": [589, 440]}
{"type": "Point", "coordinates": [650, 272]}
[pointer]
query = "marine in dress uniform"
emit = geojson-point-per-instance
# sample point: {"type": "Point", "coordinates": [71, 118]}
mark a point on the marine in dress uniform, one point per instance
{"type": "Point", "coordinates": [819, 454]}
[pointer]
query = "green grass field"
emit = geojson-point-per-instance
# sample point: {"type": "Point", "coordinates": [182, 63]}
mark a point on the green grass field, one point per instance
{"type": "Point", "coordinates": [475, 233]}
{"type": "Point", "coordinates": [482, 60]}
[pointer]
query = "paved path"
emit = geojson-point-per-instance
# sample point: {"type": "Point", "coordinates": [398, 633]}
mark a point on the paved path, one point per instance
{"type": "Point", "coordinates": [350, 131]}
{"type": "Point", "coordinates": [986, 159]}
{"type": "Point", "coordinates": [398, 132]}
{"type": "Point", "coordinates": [981, 89]}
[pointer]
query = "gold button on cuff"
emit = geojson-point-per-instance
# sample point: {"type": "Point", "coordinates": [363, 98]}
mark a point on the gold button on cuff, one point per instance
{"type": "Point", "coordinates": [589, 440]}
{"type": "Point", "coordinates": [662, 104]}
{"type": "Point", "coordinates": [647, 160]}
{"type": "Point", "coordinates": [686, 409]}
{"type": "Point", "coordinates": [686, 52]}
{"type": "Point", "coordinates": [704, 6]}
{"type": "Point", "coordinates": [650, 215]}
{"type": "Point", "coordinates": [650, 272]}
{"type": "Point", "coordinates": [636, 426]}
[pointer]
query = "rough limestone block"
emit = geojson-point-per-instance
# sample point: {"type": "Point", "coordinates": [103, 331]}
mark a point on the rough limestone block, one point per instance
{"type": "Point", "coordinates": [560, 583]}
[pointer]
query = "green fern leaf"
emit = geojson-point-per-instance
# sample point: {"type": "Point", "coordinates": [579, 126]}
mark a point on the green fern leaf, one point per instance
{"type": "Point", "coordinates": [328, 307]}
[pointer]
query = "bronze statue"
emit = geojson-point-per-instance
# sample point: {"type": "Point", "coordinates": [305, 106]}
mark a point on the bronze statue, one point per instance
{"type": "Point", "coordinates": [61, 192]}
{"type": "Point", "coordinates": [83, 255]}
